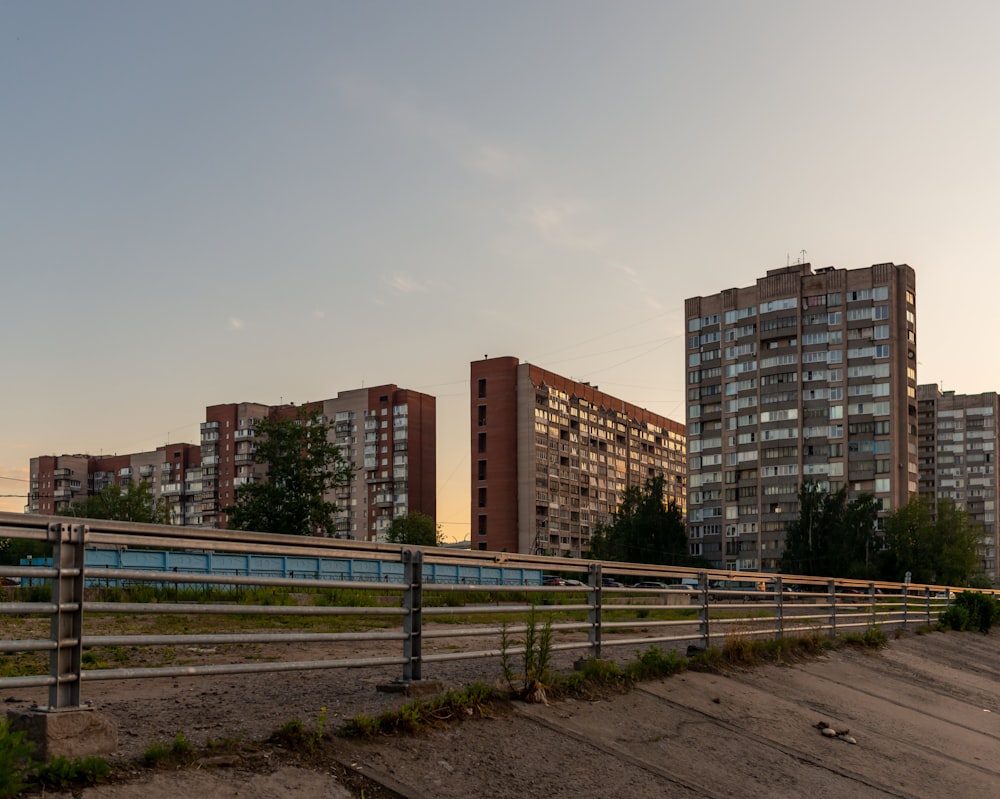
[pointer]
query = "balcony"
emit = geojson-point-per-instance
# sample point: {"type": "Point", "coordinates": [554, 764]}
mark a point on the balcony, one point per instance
{"type": "Point", "coordinates": [243, 435]}
{"type": "Point", "coordinates": [209, 426]}
{"type": "Point", "coordinates": [125, 472]}
{"type": "Point", "coordinates": [146, 471]}
{"type": "Point", "coordinates": [171, 489]}
{"type": "Point", "coordinates": [57, 473]}
{"type": "Point", "coordinates": [244, 458]}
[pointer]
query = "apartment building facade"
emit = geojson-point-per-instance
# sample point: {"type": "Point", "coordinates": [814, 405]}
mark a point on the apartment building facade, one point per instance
{"type": "Point", "coordinates": [958, 443]}
{"type": "Point", "coordinates": [56, 481]}
{"type": "Point", "coordinates": [387, 433]}
{"type": "Point", "coordinates": [804, 376]}
{"type": "Point", "coordinates": [551, 457]}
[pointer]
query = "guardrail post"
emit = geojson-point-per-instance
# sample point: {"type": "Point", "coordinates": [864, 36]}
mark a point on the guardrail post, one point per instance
{"type": "Point", "coordinates": [833, 607]}
{"type": "Point", "coordinates": [595, 613]}
{"type": "Point", "coordinates": [704, 630]}
{"type": "Point", "coordinates": [927, 602]}
{"type": "Point", "coordinates": [413, 602]}
{"type": "Point", "coordinates": [66, 660]}
{"type": "Point", "coordinates": [871, 599]}
{"type": "Point", "coordinates": [779, 599]}
{"type": "Point", "coordinates": [906, 604]}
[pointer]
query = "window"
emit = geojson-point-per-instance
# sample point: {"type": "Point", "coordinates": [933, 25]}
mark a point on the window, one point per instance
{"type": "Point", "coordinates": [482, 524]}
{"type": "Point", "coordinates": [482, 470]}
{"type": "Point", "coordinates": [482, 388]}
{"type": "Point", "coordinates": [482, 442]}
{"type": "Point", "coordinates": [482, 497]}
{"type": "Point", "coordinates": [482, 415]}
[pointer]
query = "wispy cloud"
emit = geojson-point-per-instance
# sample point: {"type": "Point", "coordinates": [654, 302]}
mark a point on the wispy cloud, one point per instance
{"type": "Point", "coordinates": [633, 276]}
{"type": "Point", "coordinates": [567, 224]}
{"type": "Point", "coordinates": [563, 224]}
{"type": "Point", "coordinates": [404, 283]}
{"type": "Point", "coordinates": [235, 323]}
{"type": "Point", "coordinates": [474, 151]}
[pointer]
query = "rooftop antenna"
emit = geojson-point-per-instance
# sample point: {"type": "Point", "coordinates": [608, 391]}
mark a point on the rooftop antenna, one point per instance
{"type": "Point", "coordinates": [802, 259]}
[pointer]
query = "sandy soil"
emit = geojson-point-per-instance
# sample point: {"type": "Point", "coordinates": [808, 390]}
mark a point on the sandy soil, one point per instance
{"type": "Point", "coordinates": [925, 713]}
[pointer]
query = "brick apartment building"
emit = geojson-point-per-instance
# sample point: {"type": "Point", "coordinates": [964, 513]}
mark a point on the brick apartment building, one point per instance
{"type": "Point", "coordinates": [59, 480]}
{"type": "Point", "coordinates": [803, 376]}
{"type": "Point", "coordinates": [551, 457]}
{"type": "Point", "coordinates": [387, 432]}
{"type": "Point", "coordinates": [958, 444]}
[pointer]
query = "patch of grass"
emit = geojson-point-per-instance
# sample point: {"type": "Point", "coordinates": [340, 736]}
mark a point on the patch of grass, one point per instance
{"type": "Point", "coordinates": [177, 752]}
{"type": "Point", "coordinates": [62, 772]}
{"type": "Point", "coordinates": [16, 762]}
{"type": "Point", "coordinates": [474, 700]}
{"type": "Point", "coordinates": [872, 638]}
{"type": "Point", "coordinates": [296, 736]}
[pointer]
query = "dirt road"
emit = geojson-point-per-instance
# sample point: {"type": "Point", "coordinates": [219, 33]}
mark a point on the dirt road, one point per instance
{"type": "Point", "coordinates": [925, 713]}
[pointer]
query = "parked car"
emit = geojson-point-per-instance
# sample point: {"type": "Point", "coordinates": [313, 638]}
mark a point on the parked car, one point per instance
{"type": "Point", "coordinates": [11, 582]}
{"type": "Point", "coordinates": [650, 584]}
{"type": "Point", "coordinates": [610, 582]}
{"type": "Point", "coordinates": [552, 579]}
{"type": "Point", "coordinates": [576, 583]}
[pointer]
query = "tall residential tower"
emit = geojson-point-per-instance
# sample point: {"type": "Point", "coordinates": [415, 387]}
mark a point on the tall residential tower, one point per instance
{"type": "Point", "coordinates": [959, 441]}
{"type": "Point", "coordinates": [803, 376]}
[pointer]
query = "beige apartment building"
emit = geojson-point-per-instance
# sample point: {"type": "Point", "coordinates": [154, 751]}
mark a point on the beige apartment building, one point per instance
{"type": "Point", "coordinates": [59, 480]}
{"type": "Point", "coordinates": [387, 433]}
{"type": "Point", "coordinates": [958, 444]}
{"type": "Point", "coordinates": [552, 457]}
{"type": "Point", "coordinates": [803, 376]}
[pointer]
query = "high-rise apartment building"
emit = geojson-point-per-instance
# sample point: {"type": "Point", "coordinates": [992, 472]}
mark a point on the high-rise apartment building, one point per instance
{"type": "Point", "coordinates": [552, 457]}
{"type": "Point", "coordinates": [804, 376]}
{"type": "Point", "coordinates": [171, 471]}
{"type": "Point", "coordinates": [388, 433]}
{"type": "Point", "coordinates": [958, 444]}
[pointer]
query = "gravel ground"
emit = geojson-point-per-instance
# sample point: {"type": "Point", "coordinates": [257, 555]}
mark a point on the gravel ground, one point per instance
{"type": "Point", "coordinates": [925, 713]}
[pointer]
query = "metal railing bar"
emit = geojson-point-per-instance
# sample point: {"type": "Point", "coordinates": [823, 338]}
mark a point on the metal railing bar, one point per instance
{"type": "Point", "coordinates": [27, 608]}
{"type": "Point", "coordinates": [113, 608]}
{"type": "Point", "coordinates": [223, 639]}
{"type": "Point", "coordinates": [33, 645]}
{"type": "Point", "coordinates": [238, 668]}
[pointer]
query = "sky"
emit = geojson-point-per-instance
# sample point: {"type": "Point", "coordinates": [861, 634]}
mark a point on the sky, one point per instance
{"type": "Point", "coordinates": [244, 201]}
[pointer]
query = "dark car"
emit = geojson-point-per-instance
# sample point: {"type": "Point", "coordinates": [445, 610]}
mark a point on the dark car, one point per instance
{"type": "Point", "coordinates": [650, 584]}
{"type": "Point", "coordinates": [552, 579]}
{"type": "Point", "coordinates": [610, 582]}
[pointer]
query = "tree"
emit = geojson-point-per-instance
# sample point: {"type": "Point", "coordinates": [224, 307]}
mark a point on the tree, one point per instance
{"type": "Point", "coordinates": [941, 548]}
{"type": "Point", "coordinates": [644, 529]}
{"type": "Point", "coordinates": [303, 464]}
{"type": "Point", "coordinates": [135, 504]}
{"type": "Point", "coordinates": [832, 536]}
{"type": "Point", "coordinates": [414, 528]}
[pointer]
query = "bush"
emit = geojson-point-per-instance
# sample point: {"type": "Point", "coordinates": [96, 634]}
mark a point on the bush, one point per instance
{"type": "Point", "coordinates": [15, 759]}
{"type": "Point", "coordinates": [62, 772]}
{"type": "Point", "coordinates": [973, 610]}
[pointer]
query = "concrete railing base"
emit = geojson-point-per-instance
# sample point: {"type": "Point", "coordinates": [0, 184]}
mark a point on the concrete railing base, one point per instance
{"type": "Point", "coordinates": [78, 732]}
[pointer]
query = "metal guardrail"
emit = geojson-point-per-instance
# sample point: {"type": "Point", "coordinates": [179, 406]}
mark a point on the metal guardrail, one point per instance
{"type": "Point", "coordinates": [397, 621]}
